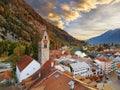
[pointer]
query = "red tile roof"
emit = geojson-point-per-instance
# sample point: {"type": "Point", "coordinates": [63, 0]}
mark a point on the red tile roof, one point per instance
{"type": "Point", "coordinates": [57, 81]}
{"type": "Point", "coordinates": [102, 60]}
{"type": "Point", "coordinates": [1, 77]}
{"type": "Point", "coordinates": [118, 65]}
{"type": "Point", "coordinates": [23, 62]}
{"type": "Point", "coordinates": [8, 75]}
{"type": "Point", "coordinates": [58, 54]}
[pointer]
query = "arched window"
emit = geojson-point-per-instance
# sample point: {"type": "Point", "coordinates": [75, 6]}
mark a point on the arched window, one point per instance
{"type": "Point", "coordinates": [45, 37]}
{"type": "Point", "coordinates": [45, 45]}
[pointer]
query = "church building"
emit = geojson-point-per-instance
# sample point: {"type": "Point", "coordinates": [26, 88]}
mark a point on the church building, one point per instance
{"type": "Point", "coordinates": [26, 67]}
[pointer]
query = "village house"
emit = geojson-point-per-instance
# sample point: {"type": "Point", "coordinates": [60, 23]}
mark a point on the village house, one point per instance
{"type": "Point", "coordinates": [117, 54]}
{"type": "Point", "coordinates": [117, 58]}
{"type": "Point", "coordinates": [101, 56]}
{"type": "Point", "coordinates": [5, 67]}
{"type": "Point", "coordinates": [80, 54]}
{"type": "Point", "coordinates": [118, 71]}
{"type": "Point", "coordinates": [5, 77]}
{"type": "Point", "coordinates": [103, 64]}
{"type": "Point", "coordinates": [25, 67]}
{"type": "Point", "coordinates": [113, 65]}
{"type": "Point", "coordinates": [80, 68]}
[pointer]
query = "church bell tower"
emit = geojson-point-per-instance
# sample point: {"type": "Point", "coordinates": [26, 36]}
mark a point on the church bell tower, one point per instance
{"type": "Point", "coordinates": [43, 46]}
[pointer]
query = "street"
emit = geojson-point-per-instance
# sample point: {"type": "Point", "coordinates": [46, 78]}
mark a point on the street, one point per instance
{"type": "Point", "coordinates": [115, 81]}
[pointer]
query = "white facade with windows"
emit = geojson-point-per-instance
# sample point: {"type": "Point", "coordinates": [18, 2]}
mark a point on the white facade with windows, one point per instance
{"type": "Point", "coordinates": [104, 65]}
{"type": "Point", "coordinates": [118, 73]}
{"type": "Point", "coordinates": [113, 65]}
{"type": "Point", "coordinates": [27, 71]}
{"type": "Point", "coordinates": [80, 68]}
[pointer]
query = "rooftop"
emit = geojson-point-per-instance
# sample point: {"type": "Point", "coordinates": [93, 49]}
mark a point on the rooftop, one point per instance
{"type": "Point", "coordinates": [6, 75]}
{"type": "Point", "coordinates": [60, 81]}
{"type": "Point", "coordinates": [102, 60]}
{"type": "Point", "coordinates": [23, 62]}
{"type": "Point", "coordinates": [118, 65]}
{"type": "Point", "coordinates": [79, 65]}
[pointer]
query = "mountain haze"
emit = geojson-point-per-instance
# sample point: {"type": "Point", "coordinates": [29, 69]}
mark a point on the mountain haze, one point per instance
{"type": "Point", "coordinates": [19, 21]}
{"type": "Point", "coordinates": [111, 36]}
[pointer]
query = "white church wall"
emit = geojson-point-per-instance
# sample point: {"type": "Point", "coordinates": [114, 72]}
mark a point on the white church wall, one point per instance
{"type": "Point", "coordinates": [18, 74]}
{"type": "Point", "coordinates": [44, 51]}
{"type": "Point", "coordinates": [29, 70]}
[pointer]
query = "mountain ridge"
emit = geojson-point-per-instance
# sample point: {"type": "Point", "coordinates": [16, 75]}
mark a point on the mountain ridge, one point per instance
{"type": "Point", "coordinates": [111, 36]}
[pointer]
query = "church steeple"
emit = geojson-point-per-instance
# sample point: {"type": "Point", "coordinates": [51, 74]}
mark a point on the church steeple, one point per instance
{"type": "Point", "coordinates": [43, 46]}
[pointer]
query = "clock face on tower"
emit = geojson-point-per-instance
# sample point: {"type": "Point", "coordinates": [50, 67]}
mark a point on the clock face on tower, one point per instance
{"type": "Point", "coordinates": [45, 43]}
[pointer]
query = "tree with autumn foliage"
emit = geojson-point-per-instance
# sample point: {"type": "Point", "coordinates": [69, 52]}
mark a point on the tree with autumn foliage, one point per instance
{"type": "Point", "coordinates": [19, 50]}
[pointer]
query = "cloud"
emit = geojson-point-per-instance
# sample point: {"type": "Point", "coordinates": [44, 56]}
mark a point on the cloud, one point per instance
{"type": "Point", "coordinates": [88, 5]}
{"type": "Point", "coordinates": [65, 7]}
{"type": "Point", "coordinates": [53, 17]}
{"type": "Point", "coordinates": [56, 19]}
{"type": "Point", "coordinates": [84, 5]}
{"type": "Point", "coordinates": [80, 18]}
{"type": "Point", "coordinates": [104, 1]}
{"type": "Point", "coordinates": [71, 15]}
{"type": "Point", "coordinates": [115, 1]}
{"type": "Point", "coordinates": [69, 11]}
{"type": "Point", "coordinates": [64, 10]}
{"type": "Point", "coordinates": [96, 22]}
{"type": "Point", "coordinates": [60, 24]}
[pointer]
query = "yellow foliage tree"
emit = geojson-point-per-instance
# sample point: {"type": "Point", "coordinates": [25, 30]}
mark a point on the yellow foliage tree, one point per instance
{"type": "Point", "coordinates": [19, 50]}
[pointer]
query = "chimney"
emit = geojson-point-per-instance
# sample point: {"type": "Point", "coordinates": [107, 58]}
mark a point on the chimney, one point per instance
{"type": "Point", "coordinates": [73, 76]}
{"type": "Point", "coordinates": [52, 64]}
{"type": "Point", "coordinates": [39, 75]}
